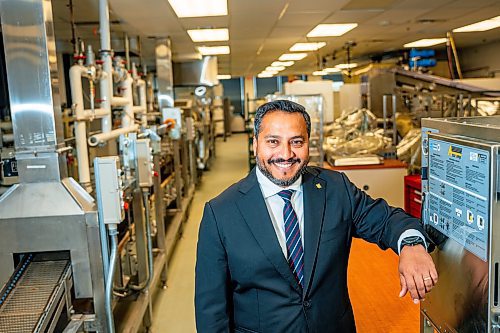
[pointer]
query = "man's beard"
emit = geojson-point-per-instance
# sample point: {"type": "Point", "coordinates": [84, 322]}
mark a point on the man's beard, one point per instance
{"type": "Point", "coordinates": [281, 182]}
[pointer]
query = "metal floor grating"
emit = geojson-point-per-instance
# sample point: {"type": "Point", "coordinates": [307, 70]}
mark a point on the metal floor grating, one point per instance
{"type": "Point", "coordinates": [27, 302]}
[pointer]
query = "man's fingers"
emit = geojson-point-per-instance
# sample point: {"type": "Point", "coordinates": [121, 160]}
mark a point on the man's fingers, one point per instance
{"type": "Point", "coordinates": [412, 287]}
{"type": "Point", "coordinates": [404, 288]}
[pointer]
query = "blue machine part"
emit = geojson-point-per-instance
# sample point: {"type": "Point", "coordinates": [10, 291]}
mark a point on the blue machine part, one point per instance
{"type": "Point", "coordinates": [458, 198]}
{"type": "Point", "coordinates": [422, 53]}
{"type": "Point", "coordinates": [430, 62]}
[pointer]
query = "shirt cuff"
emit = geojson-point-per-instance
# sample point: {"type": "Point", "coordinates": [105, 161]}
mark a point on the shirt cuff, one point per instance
{"type": "Point", "coordinates": [410, 233]}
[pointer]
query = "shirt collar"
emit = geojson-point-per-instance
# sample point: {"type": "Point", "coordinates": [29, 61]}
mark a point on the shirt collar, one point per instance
{"type": "Point", "coordinates": [269, 188]}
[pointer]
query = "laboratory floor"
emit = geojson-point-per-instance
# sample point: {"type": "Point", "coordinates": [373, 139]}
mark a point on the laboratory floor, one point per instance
{"type": "Point", "coordinates": [373, 274]}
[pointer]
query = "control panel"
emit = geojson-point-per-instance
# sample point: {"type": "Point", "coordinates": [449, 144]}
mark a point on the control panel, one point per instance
{"type": "Point", "coordinates": [145, 167]}
{"type": "Point", "coordinates": [109, 189]}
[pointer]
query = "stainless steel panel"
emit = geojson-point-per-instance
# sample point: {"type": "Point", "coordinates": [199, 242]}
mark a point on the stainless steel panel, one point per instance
{"type": "Point", "coordinates": [31, 63]}
{"type": "Point", "coordinates": [466, 298]}
{"type": "Point", "coordinates": [164, 81]}
{"type": "Point", "coordinates": [196, 73]}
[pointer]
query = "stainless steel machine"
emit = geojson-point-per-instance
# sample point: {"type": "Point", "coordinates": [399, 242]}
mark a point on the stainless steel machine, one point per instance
{"type": "Point", "coordinates": [461, 192]}
{"type": "Point", "coordinates": [46, 212]}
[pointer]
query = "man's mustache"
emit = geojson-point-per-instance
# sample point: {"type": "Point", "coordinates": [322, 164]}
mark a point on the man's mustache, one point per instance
{"type": "Point", "coordinates": [282, 160]}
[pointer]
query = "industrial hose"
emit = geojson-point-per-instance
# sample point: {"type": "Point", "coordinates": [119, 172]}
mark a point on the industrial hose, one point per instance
{"type": "Point", "coordinates": [113, 233]}
{"type": "Point", "coordinates": [146, 283]}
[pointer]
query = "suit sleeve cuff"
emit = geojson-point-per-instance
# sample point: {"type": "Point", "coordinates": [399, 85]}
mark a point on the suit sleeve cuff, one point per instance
{"type": "Point", "coordinates": [410, 233]}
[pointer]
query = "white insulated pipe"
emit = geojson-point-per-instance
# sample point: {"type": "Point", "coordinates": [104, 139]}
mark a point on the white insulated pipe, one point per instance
{"type": "Point", "coordinates": [106, 86]}
{"type": "Point", "coordinates": [119, 101]}
{"type": "Point", "coordinates": [76, 73]}
{"type": "Point", "coordinates": [93, 114]}
{"type": "Point", "coordinates": [128, 109]}
{"type": "Point", "coordinates": [101, 138]}
{"type": "Point", "coordinates": [143, 104]}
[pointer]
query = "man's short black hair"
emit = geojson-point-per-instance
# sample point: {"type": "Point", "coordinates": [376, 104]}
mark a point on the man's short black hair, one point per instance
{"type": "Point", "coordinates": [280, 105]}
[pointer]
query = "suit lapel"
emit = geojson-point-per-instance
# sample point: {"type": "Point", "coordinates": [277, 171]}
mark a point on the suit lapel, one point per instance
{"type": "Point", "coordinates": [314, 206]}
{"type": "Point", "coordinates": [252, 206]}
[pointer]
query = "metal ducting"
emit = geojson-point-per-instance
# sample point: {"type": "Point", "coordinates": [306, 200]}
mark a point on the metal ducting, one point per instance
{"type": "Point", "coordinates": [196, 73]}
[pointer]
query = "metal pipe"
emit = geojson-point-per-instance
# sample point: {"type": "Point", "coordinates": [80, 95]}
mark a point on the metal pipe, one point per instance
{"type": "Point", "coordinates": [145, 284]}
{"type": "Point", "coordinates": [101, 138]}
{"type": "Point", "coordinates": [113, 235]}
{"type": "Point", "coordinates": [106, 80]}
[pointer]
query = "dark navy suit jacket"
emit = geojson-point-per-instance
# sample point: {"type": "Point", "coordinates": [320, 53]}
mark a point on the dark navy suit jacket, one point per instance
{"type": "Point", "coordinates": [243, 281]}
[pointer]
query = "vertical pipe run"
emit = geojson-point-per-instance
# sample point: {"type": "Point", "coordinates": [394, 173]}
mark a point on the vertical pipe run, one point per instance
{"type": "Point", "coordinates": [107, 80]}
{"type": "Point", "coordinates": [75, 76]}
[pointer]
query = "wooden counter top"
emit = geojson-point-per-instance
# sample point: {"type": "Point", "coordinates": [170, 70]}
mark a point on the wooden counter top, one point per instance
{"type": "Point", "coordinates": [388, 164]}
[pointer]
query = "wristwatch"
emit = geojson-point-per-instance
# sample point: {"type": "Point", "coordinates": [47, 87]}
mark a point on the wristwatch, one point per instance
{"type": "Point", "coordinates": [412, 241]}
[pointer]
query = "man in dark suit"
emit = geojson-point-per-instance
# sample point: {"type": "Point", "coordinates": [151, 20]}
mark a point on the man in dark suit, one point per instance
{"type": "Point", "coordinates": [273, 248]}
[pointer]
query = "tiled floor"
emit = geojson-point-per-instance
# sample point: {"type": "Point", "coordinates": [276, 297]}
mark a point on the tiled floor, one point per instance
{"type": "Point", "coordinates": [373, 285]}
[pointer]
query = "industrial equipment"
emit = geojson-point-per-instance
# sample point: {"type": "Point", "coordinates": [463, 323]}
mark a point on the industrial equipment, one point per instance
{"type": "Point", "coordinates": [82, 249]}
{"type": "Point", "coordinates": [460, 161]}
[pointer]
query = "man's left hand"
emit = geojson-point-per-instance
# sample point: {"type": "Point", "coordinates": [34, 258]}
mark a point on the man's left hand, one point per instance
{"type": "Point", "coordinates": [417, 272]}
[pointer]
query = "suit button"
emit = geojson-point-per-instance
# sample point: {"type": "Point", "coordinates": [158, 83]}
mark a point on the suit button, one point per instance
{"type": "Point", "coordinates": [306, 304]}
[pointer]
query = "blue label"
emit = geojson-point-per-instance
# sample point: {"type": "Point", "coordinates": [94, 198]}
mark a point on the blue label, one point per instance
{"type": "Point", "coordinates": [458, 195]}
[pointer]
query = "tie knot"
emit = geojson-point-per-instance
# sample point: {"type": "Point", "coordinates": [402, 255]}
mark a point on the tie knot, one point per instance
{"type": "Point", "coordinates": [286, 194]}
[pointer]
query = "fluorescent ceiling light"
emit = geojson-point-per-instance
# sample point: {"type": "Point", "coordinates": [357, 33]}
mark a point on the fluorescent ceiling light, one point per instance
{"type": "Point", "coordinates": [223, 77]}
{"type": "Point", "coordinates": [332, 70]}
{"type": "Point", "coordinates": [269, 72]}
{"type": "Point", "coordinates": [209, 35]}
{"type": "Point", "coordinates": [327, 30]}
{"type": "Point", "coordinates": [292, 56]}
{"type": "Point", "coordinates": [320, 73]}
{"type": "Point", "coordinates": [426, 42]}
{"type": "Point", "coordinates": [283, 63]}
{"type": "Point", "coordinates": [346, 66]}
{"type": "Point", "coordinates": [263, 75]}
{"type": "Point", "coordinates": [199, 8]}
{"type": "Point", "coordinates": [300, 47]}
{"type": "Point", "coordinates": [489, 24]}
{"type": "Point", "coordinates": [213, 50]}
{"type": "Point", "coordinates": [275, 68]}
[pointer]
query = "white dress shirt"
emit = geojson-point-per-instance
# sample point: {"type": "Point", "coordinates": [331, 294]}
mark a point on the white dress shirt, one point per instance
{"type": "Point", "coordinates": [275, 205]}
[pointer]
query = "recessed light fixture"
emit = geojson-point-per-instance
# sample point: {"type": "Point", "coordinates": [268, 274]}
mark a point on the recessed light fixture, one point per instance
{"type": "Point", "coordinates": [223, 77]}
{"type": "Point", "coordinates": [332, 70]}
{"type": "Point", "coordinates": [301, 47]}
{"type": "Point", "coordinates": [213, 50]}
{"type": "Point", "coordinates": [489, 24]}
{"type": "Point", "coordinates": [292, 56]}
{"type": "Point", "coordinates": [275, 68]}
{"type": "Point", "coordinates": [426, 42]}
{"type": "Point", "coordinates": [209, 35]}
{"type": "Point", "coordinates": [320, 73]}
{"type": "Point", "coordinates": [199, 8]}
{"type": "Point", "coordinates": [346, 66]}
{"type": "Point", "coordinates": [328, 30]}
{"type": "Point", "coordinates": [264, 75]}
{"type": "Point", "coordinates": [283, 63]}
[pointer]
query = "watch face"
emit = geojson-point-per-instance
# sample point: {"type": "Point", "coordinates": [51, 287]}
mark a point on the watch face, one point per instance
{"type": "Point", "coordinates": [413, 240]}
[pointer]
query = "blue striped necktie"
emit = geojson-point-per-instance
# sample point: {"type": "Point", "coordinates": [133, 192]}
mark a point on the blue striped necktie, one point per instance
{"type": "Point", "coordinates": [295, 251]}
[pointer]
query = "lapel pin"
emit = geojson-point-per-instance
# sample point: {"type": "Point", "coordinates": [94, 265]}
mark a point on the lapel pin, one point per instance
{"type": "Point", "coordinates": [318, 185]}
